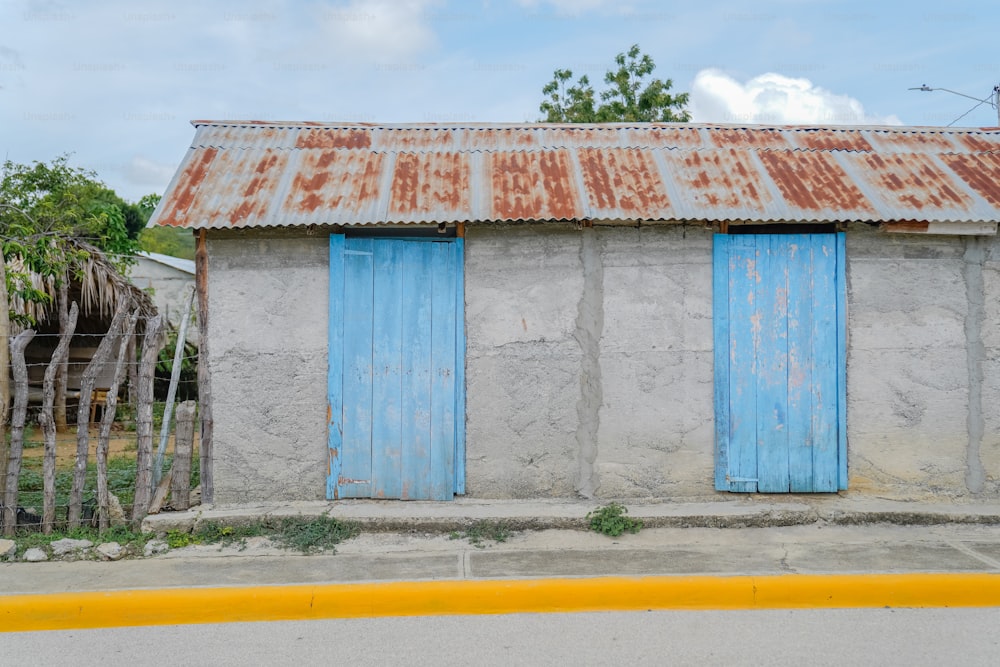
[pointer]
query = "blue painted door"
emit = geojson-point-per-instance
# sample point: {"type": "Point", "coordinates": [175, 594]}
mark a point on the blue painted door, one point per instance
{"type": "Point", "coordinates": [396, 376]}
{"type": "Point", "coordinates": [780, 330]}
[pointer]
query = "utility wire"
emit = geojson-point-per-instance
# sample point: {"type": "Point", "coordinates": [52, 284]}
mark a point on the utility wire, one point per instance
{"type": "Point", "coordinates": [978, 104]}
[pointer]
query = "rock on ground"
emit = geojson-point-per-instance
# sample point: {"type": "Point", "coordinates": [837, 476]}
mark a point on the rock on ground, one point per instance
{"type": "Point", "coordinates": [154, 547]}
{"type": "Point", "coordinates": [35, 555]}
{"type": "Point", "coordinates": [110, 550]}
{"type": "Point", "coordinates": [68, 545]}
{"type": "Point", "coordinates": [7, 548]}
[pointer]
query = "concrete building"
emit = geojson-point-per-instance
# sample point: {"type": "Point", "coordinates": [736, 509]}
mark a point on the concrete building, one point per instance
{"type": "Point", "coordinates": [169, 280]}
{"type": "Point", "coordinates": [607, 311]}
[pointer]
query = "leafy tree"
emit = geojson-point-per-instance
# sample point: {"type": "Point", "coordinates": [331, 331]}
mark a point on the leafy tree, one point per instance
{"type": "Point", "coordinates": [632, 96]}
{"type": "Point", "coordinates": [171, 241]}
{"type": "Point", "coordinates": [43, 204]}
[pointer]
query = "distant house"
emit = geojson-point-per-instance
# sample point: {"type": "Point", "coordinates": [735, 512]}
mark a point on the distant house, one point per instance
{"type": "Point", "coordinates": [535, 311]}
{"type": "Point", "coordinates": [169, 280]}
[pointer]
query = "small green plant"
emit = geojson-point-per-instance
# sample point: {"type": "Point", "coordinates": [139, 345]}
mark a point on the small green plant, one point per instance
{"type": "Point", "coordinates": [611, 520]}
{"type": "Point", "coordinates": [305, 534]}
{"type": "Point", "coordinates": [480, 531]}
{"type": "Point", "coordinates": [177, 539]}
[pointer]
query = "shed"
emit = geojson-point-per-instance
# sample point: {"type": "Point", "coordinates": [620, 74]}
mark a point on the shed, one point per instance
{"type": "Point", "coordinates": [98, 289]}
{"type": "Point", "coordinates": [671, 311]}
{"type": "Point", "coordinates": [169, 280]}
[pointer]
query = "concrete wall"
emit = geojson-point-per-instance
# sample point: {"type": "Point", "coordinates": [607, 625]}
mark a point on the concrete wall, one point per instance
{"type": "Point", "coordinates": [589, 363]}
{"type": "Point", "coordinates": [170, 286]}
{"type": "Point", "coordinates": [268, 331]}
{"type": "Point", "coordinates": [921, 374]}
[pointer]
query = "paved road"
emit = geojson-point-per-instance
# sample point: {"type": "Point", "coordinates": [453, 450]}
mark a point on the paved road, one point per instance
{"type": "Point", "coordinates": [785, 637]}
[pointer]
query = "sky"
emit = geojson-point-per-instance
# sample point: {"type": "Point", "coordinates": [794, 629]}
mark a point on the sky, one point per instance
{"type": "Point", "coordinates": [115, 83]}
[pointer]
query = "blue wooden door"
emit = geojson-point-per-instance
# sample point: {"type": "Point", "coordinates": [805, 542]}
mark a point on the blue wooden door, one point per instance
{"type": "Point", "coordinates": [780, 329]}
{"type": "Point", "coordinates": [396, 376]}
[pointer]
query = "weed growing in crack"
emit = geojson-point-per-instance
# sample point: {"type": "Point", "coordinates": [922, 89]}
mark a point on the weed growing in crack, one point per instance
{"type": "Point", "coordinates": [611, 520]}
{"type": "Point", "coordinates": [481, 531]}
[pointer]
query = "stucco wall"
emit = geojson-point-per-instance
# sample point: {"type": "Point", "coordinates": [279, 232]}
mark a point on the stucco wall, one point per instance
{"type": "Point", "coordinates": [171, 287]}
{"type": "Point", "coordinates": [268, 331]}
{"type": "Point", "coordinates": [639, 423]}
{"type": "Point", "coordinates": [589, 363]}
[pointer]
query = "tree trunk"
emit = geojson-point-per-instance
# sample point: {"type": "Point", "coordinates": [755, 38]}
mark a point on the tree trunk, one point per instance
{"type": "Point", "coordinates": [83, 414]}
{"type": "Point", "coordinates": [151, 345]}
{"type": "Point", "coordinates": [48, 422]}
{"type": "Point", "coordinates": [204, 378]}
{"type": "Point", "coordinates": [16, 428]}
{"type": "Point", "coordinates": [4, 372]}
{"type": "Point", "coordinates": [108, 420]}
{"type": "Point", "coordinates": [180, 487]}
{"type": "Point", "coordinates": [63, 371]}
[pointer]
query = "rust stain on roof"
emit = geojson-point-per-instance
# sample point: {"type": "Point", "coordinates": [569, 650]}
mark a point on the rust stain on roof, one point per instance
{"type": "Point", "coordinates": [912, 181]}
{"type": "Point", "coordinates": [719, 180]}
{"type": "Point", "coordinates": [329, 180]}
{"type": "Point", "coordinates": [251, 173]}
{"type": "Point", "coordinates": [190, 178]}
{"type": "Point", "coordinates": [748, 138]}
{"type": "Point", "coordinates": [910, 142]}
{"type": "Point", "coordinates": [813, 181]}
{"type": "Point", "coordinates": [425, 183]}
{"type": "Point", "coordinates": [827, 140]}
{"type": "Point", "coordinates": [622, 180]}
{"type": "Point", "coordinates": [361, 138]}
{"type": "Point", "coordinates": [981, 172]}
{"type": "Point", "coordinates": [533, 186]}
{"type": "Point", "coordinates": [979, 143]}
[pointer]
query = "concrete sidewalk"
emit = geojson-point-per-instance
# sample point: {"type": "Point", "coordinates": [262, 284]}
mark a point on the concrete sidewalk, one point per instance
{"type": "Point", "coordinates": [415, 542]}
{"type": "Point", "coordinates": [407, 561]}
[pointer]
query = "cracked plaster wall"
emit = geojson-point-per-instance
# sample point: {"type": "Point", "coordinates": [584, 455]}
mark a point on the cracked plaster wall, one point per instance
{"type": "Point", "coordinates": [589, 361]}
{"type": "Point", "coordinates": [531, 337]}
{"type": "Point", "coordinates": [916, 326]}
{"type": "Point", "coordinates": [268, 328]}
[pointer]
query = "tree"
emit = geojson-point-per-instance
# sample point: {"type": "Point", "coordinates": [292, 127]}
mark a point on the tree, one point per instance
{"type": "Point", "coordinates": [44, 208]}
{"type": "Point", "coordinates": [631, 97]}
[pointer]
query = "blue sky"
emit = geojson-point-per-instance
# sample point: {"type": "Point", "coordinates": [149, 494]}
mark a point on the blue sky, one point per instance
{"type": "Point", "coordinates": [115, 83]}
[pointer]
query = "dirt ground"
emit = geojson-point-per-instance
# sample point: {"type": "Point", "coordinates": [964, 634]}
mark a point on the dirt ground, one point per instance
{"type": "Point", "coordinates": [121, 443]}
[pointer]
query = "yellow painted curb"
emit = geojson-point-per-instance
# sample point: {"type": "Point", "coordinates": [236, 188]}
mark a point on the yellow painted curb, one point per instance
{"type": "Point", "coordinates": [63, 611]}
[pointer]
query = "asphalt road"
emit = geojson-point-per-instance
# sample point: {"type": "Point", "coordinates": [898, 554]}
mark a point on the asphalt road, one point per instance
{"type": "Point", "coordinates": [783, 637]}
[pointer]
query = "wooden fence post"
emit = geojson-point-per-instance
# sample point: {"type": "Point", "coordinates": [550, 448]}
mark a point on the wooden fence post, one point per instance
{"type": "Point", "coordinates": [83, 414]}
{"type": "Point", "coordinates": [180, 486]}
{"type": "Point", "coordinates": [4, 377]}
{"type": "Point", "coordinates": [151, 346]}
{"type": "Point", "coordinates": [107, 420]}
{"type": "Point", "coordinates": [17, 420]}
{"type": "Point", "coordinates": [63, 372]}
{"type": "Point", "coordinates": [48, 421]}
{"type": "Point", "coordinates": [204, 377]}
{"type": "Point", "coordinates": [168, 408]}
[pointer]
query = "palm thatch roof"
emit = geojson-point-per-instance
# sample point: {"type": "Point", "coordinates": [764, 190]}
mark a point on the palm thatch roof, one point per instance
{"type": "Point", "coordinates": [95, 285]}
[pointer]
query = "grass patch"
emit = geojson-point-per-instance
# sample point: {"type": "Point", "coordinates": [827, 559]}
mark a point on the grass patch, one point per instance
{"type": "Point", "coordinates": [131, 540]}
{"type": "Point", "coordinates": [305, 534]}
{"type": "Point", "coordinates": [484, 531]}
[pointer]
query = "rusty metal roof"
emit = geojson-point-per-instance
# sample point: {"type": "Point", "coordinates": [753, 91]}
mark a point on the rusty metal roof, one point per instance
{"type": "Point", "coordinates": [267, 174]}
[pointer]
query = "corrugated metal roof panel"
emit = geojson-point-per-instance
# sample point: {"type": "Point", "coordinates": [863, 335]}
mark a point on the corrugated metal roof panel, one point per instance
{"type": "Point", "coordinates": [248, 174]}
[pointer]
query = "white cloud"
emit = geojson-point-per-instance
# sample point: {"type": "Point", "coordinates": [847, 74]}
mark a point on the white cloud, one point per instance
{"type": "Point", "coordinates": [378, 30]}
{"type": "Point", "coordinates": [774, 99]}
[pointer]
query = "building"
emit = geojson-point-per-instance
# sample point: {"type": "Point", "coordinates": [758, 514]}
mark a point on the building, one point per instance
{"type": "Point", "coordinates": [610, 311]}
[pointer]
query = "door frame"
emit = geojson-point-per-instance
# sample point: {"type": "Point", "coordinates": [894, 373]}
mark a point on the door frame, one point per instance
{"type": "Point", "coordinates": [335, 362]}
{"type": "Point", "coordinates": [721, 343]}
